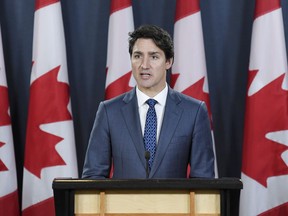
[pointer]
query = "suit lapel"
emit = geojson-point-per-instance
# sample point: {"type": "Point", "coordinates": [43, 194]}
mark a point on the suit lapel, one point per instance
{"type": "Point", "coordinates": [170, 121]}
{"type": "Point", "coordinates": [131, 115]}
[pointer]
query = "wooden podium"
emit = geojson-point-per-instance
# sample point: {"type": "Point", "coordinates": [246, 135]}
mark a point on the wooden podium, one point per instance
{"type": "Point", "coordinates": [143, 197]}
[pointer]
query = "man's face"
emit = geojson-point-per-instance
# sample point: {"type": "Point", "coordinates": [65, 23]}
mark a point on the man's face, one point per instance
{"type": "Point", "coordinates": [149, 66]}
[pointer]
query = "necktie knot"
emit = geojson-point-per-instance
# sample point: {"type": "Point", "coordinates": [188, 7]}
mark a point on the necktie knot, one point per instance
{"type": "Point", "coordinates": [151, 102]}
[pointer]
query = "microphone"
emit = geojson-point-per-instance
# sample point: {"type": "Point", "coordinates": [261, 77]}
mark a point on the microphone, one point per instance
{"type": "Point", "coordinates": [147, 157]}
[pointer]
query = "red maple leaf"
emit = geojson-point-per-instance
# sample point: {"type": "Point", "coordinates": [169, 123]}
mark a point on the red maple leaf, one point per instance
{"type": "Point", "coordinates": [2, 165]}
{"type": "Point", "coordinates": [266, 111]}
{"type": "Point", "coordinates": [48, 103]}
{"type": "Point", "coordinates": [195, 91]}
{"type": "Point", "coordinates": [119, 86]}
{"type": "Point", "coordinates": [174, 78]}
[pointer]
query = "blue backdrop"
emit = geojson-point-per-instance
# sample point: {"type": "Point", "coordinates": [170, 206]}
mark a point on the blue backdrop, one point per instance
{"type": "Point", "coordinates": [227, 27]}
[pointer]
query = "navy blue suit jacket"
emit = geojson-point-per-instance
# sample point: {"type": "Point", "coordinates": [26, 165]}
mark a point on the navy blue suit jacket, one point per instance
{"type": "Point", "coordinates": [185, 138]}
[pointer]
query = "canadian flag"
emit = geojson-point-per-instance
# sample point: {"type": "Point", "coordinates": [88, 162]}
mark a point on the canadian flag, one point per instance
{"type": "Point", "coordinates": [265, 147]}
{"type": "Point", "coordinates": [189, 73]}
{"type": "Point", "coordinates": [50, 144]}
{"type": "Point", "coordinates": [119, 77]}
{"type": "Point", "coordinates": [8, 178]}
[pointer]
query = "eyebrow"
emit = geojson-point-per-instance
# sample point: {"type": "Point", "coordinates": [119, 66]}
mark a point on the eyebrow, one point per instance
{"type": "Point", "coordinates": [153, 53]}
{"type": "Point", "coordinates": [150, 53]}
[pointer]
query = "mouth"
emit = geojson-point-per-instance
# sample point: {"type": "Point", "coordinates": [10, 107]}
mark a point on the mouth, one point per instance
{"type": "Point", "coordinates": [145, 75]}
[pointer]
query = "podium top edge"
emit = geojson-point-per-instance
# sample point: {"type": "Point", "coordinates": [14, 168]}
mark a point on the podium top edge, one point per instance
{"type": "Point", "coordinates": [139, 184]}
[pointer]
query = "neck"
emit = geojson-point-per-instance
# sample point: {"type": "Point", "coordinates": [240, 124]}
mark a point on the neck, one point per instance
{"type": "Point", "coordinates": [151, 92]}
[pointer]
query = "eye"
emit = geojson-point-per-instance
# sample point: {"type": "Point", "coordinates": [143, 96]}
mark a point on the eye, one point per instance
{"type": "Point", "coordinates": [155, 57]}
{"type": "Point", "coordinates": [136, 56]}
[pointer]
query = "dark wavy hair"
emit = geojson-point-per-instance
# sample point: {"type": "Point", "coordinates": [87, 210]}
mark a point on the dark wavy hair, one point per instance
{"type": "Point", "coordinates": [161, 38]}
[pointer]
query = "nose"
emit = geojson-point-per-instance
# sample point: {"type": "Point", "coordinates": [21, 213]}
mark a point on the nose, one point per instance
{"type": "Point", "coordinates": [145, 63]}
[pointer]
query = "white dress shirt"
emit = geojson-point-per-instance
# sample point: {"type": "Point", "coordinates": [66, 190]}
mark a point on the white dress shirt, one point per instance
{"type": "Point", "coordinates": [159, 107]}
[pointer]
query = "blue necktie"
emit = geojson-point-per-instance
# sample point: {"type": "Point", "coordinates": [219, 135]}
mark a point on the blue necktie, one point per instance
{"type": "Point", "coordinates": [150, 130]}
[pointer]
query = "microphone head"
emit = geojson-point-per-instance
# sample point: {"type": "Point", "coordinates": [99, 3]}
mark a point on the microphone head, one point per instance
{"type": "Point", "coordinates": [147, 155]}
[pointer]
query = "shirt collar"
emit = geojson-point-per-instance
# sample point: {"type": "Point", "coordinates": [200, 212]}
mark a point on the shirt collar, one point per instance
{"type": "Point", "coordinates": [160, 97]}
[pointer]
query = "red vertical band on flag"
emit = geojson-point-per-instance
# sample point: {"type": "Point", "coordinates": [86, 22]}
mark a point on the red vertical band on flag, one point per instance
{"type": "Point", "coordinates": [4, 117]}
{"type": "Point", "coordinates": [9, 205]}
{"type": "Point", "coordinates": [117, 5]}
{"type": "Point", "coordinates": [43, 3]}
{"type": "Point", "coordinates": [264, 7]}
{"type": "Point", "coordinates": [186, 8]}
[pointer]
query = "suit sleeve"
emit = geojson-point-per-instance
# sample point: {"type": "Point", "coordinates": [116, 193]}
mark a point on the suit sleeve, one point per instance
{"type": "Point", "coordinates": [97, 162]}
{"type": "Point", "coordinates": [202, 155]}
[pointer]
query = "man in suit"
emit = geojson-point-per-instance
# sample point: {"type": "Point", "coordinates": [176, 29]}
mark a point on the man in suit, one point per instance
{"type": "Point", "coordinates": [181, 133]}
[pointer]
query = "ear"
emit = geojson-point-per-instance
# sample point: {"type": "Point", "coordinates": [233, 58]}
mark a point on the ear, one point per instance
{"type": "Point", "coordinates": [169, 63]}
